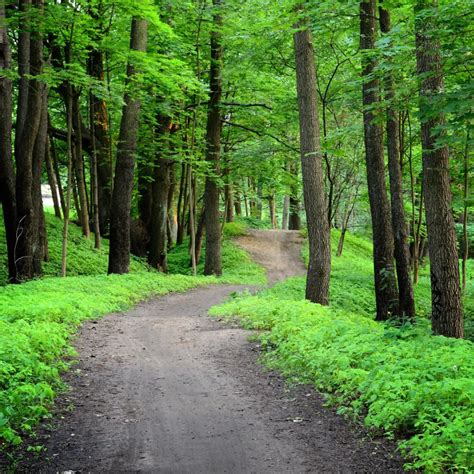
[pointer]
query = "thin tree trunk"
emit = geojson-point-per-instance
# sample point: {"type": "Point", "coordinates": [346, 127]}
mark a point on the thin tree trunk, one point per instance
{"type": "Point", "coordinates": [237, 204]}
{"type": "Point", "coordinates": [169, 212]}
{"type": "Point", "coordinates": [69, 181]}
{"type": "Point", "coordinates": [182, 191]}
{"type": "Point", "coordinates": [400, 231]}
{"type": "Point", "coordinates": [157, 256]}
{"type": "Point", "coordinates": [213, 265]}
{"type": "Point", "coordinates": [272, 208]}
{"type": "Point", "coordinates": [79, 165]}
{"type": "Point", "coordinates": [192, 223]}
{"type": "Point", "coordinates": [319, 268]}
{"type": "Point", "coordinates": [465, 250]}
{"type": "Point", "coordinates": [40, 252]}
{"type": "Point", "coordinates": [119, 256]}
{"type": "Point", "coordinates": [446, 317]}
{"type": "Point", "coordinates": [386, 292]}
{"type": "Point", "coordinates": [7, 172]}
{"type": "Point", "coordinates": [345, 221]}
{"type": "Point", "coordinates": [57, 174]}
{"type": "Point", "coordinates": [53, 184]}
{"type": "Point", "coordinates": [285, 213]}
{"type": "Point", "coordinates": [101, 132]}
{"type": "Point", "coordinates": [94, 176]}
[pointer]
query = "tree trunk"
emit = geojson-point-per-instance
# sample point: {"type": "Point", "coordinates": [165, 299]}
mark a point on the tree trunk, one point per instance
{"type": "Point", "coordinates": [319, 268]}
{"type": "Point", "coordinates": [213, 265]}
{"type": "Point", "coordinates": [157, 256]}
{"type": "Point", "coordinates": [7, 172]}
{"type": "Point", "coordinates": [101, 132]}
{"type": "Point", "coordinates": [180, 211]}
{"type": "Point", "coordinates": [53, 184]}
{"type": "Point", "coordinates": [57, 174]}
{"type": "Point", "coordinates": [237, 204]}
{"type": "Point", "coordinates": [446, 317]}
{"type": "Point", "coordinates": [386, 293]}
{"type": "Point", "coordinates": [273, 214]}
{"type": "Point", "coordinates": [69, 180]}
{"type": "Point", "coordinates": [94, 179]}
{"type": "Point", "coordinates": [78, 161]}
{"type": "Point", "coordinates": [27, 218]}
{"type": "Point", "coordinates": [119, 256]}
{"type": "Point", "coordinates": [465, 246]}
{"type": "Point", "coordinates": [285, 212]}
{"type": "Point", "coordinates": [295, 219]}
{"type": "Point", "coordinates": [400, 231]}
{"type": "Point", "coordinates": [39, 151]}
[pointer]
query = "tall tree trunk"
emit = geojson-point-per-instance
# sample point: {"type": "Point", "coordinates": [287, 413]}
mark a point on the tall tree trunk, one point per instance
{"type": "Point", "coordinates": [94, 178]}
{"type": "Point", "coordinates": [67, 201]}
{"type": "Point", "coordinates": [57, 174]}
{"type": "Point", "coordinates": [237, 204]}
{"type": "Point", "coordinates": [24, 40]}
{"type": "Point", "coordinates": [273, 214]}
{"type": "Point", "coordinates": [7, 173]}
{"type": "Point", "coordinates": [295, 218]}
{"type": "Point", "coordinates": [213, 265]}
{"type": "Point", "coordinates": [180, 210]}
{"type": "Point", "coordinates": [465, 246]}
{"type": "Point", "coordinates": [78, 161]}
{"type": "Point", "coordinates": [446, 316]}
{"type": "Point", "coordinates": [101, 132]}
{"type": "Point", "coordinates": [157, 256]}
{"type": "Point", "coordinates": [53, 183]}
{"type": "Point", "coordinates": [400, 231]}
{"type": "Point", "coordinates": [41, 248]}
{"type": "Point", "coordinates": [27, 217]}
{"type": "Point", "coordinates": [119, 256]}
{"type": "Point", "coordinates": [386, 292]}
{"type": "Point", "coordinates": [319, 268]}
{"type": "Point", "coordinates": [285, 212]}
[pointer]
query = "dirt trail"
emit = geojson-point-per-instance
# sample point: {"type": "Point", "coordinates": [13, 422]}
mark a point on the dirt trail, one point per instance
{"type": "Point", "coordinates": [165, 389]}
{"type": "Point", "coordinates": [279, 251]}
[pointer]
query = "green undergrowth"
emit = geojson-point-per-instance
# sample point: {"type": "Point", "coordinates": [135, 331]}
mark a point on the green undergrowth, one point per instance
{"type": "Point", "coordinates": [238, 267]}
{"type": "Point", "coordinates": [36, 321]}
{"type": "Point", "coordinates": [403, 382]}
{"type": "Point", "coordinates": [82, 259]}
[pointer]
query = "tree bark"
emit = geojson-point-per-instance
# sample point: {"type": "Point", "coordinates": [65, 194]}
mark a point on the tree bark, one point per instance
{"type": "Point", "coordinates": [285, 213]}
{"type": "Point", "coordinates": [400, 231]}
{"type": "Point", "coordinates": [446, 316]}
{"type": "Point", "coordinates": [53, 183]}
{"type": "Point", "coordinates": [7, 172]}
{"type": "Point", "coordinates": [386, 293]}
{"type": "Point", "coordinates": [119, 256]}
{"type": "Point", "coordinates": [101, 133]}
{"type": "Point", "coordinates": [157, 256]}
{"type": "Point", "coordinates": [319, 268]}
{"type": "Point", "coordinates": [213, 264]}
{"type": "Point", "coordinates": [78, 161]}
{"type": "Point", "coordinates": [27, 217]}
{"type": "Point", "coordinates": [465, 244]}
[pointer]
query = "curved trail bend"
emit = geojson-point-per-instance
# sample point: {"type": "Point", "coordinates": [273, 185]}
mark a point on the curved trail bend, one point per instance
{"type": "Point", "coordinates": [164, 388]}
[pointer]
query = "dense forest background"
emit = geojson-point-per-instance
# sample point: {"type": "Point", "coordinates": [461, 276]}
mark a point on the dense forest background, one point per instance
{"type": "Point", "coordinates": [155, 121]}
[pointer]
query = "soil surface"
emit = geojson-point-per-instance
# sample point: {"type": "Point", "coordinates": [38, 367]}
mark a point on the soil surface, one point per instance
{"type": "Point", "coordinates": [279, 251]}
{"type": "Point", "coordinates": [164, 388]}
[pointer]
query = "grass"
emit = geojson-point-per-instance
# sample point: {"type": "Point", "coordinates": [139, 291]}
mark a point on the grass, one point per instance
{"type": "Point", "coordinates": [403, 382]}
{"type": "Point", "coordinates": [83, 259]}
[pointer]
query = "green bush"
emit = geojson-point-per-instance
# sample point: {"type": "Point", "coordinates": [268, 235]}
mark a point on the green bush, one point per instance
{"type": "Point", "coordinates": [82, 259]}
{"type": "Point", "coordinates": [404, 381]}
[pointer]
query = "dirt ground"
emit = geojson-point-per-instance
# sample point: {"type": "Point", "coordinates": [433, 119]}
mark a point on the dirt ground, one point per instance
{"type": "Point", "coordinates": [164, 388]}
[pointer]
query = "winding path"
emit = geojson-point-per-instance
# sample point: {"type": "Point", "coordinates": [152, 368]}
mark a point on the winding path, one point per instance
{"type": "Point", "coordinates": [164, 388]}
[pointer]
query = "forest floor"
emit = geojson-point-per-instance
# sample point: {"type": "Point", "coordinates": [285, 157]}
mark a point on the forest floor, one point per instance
{"type": "Point", "coordinates": [164, 388]}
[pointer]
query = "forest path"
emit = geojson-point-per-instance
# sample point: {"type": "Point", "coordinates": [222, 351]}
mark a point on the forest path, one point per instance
{"type": "Point", "coordinates": [279, 251]}
{"type": "Point", "coordinates": [163, 388]}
